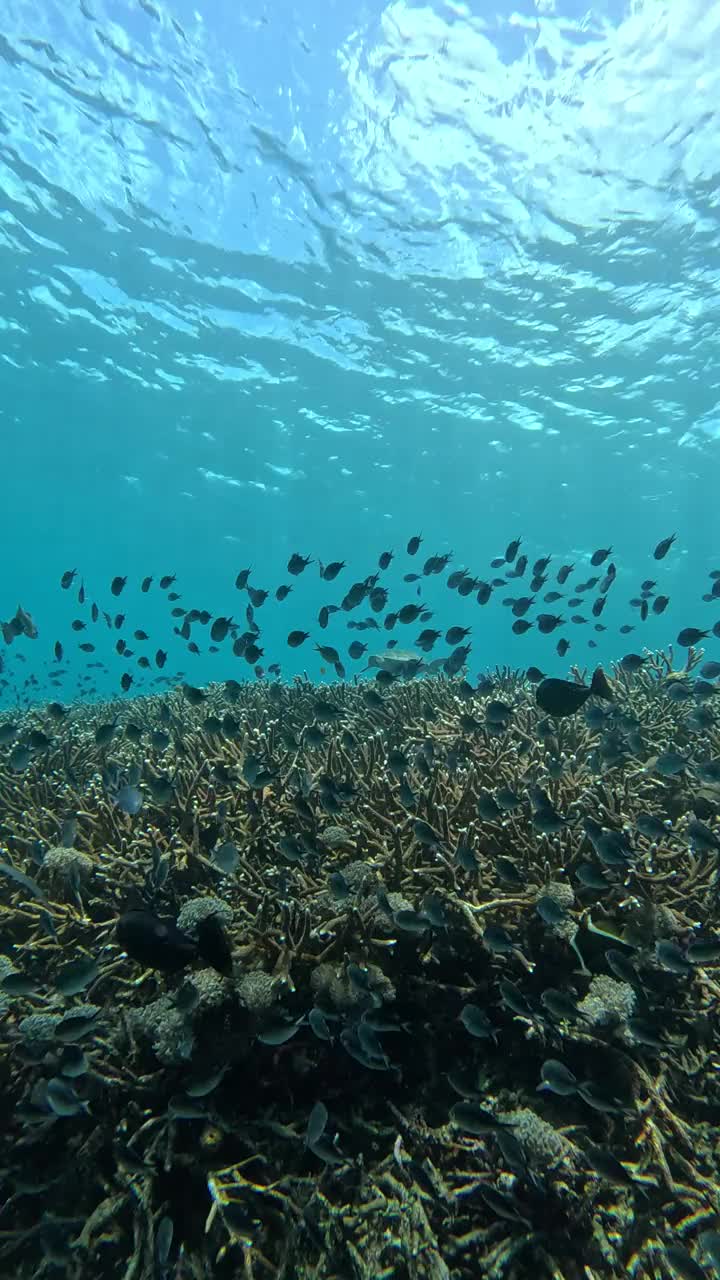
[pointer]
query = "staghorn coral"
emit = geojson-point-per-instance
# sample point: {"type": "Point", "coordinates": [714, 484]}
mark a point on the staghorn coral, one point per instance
{"type": "Point", "coordinates": [393, 1185]}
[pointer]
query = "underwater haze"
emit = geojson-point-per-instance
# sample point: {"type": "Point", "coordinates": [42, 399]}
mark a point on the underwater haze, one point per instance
{"type": "Point", "coordinates": [359, 640]}
{"type": "Point", "coordinates": [279, 280]}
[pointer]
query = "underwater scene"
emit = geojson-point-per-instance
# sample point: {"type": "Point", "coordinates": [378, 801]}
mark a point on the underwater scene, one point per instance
{"type": "Point", "coordinates": [360, 640]}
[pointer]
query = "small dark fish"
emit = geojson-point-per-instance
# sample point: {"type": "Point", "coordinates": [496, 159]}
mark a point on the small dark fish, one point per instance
{"type": "Point", "coordinates": [129, 799]}
{"type": "Point", "coordinates": [557, 1078]}
{"type": "Point", "coordinates": [608, 1166]}
{"type": "Point", "coordinates": [565, 697]}
{"type": "Point", "coordinates": [328, 653]}
{"type": "Point", "coordinates": [413, 545]}
{"type": "Point", "coordinates": [154, 942]}
{"type": "Point", "coordinates": [475, 1119]}
{"type": "Point", "coordinates": [701, 836]}
{"type": "Point", "coordinates": [704, 951]}
{"type": "Point", "coordinates": [297, 564]}
{"type": "Point", "coordinates": [663, 547]}
{"type": "Point", "coordinates": [455, 635]}
{"type": "Point", "coordinates": [669, 764]}
{"type": "Point", "coordinates": [632, 662]}
{"type": "Point", "coordinates": [560, 1005]}
{"type": "Point", "coordinates": [508, 871]}
{"type": "Point", "coordinates": [598, 557]}
{"type": "Point", "coordinates": [591, 877]}
{"type": "Point", "coordinates": [621, 966]}
{"type": "Point", "coordinates": [117, 585]}
{"type": "Point", "coordinates": [214, 946]}
{"type": "Point", "coordinates": [498, 940]}
{"type": "Point", "coordinates": [76, 976]}
{"type": "Point", "coordinates": [548, 622]}
{"type": "Point", "coordinates": [219, 629]}
{"type": "Point", "coordinates": [68, 578]}
{"type": "Point", "coordinates": [671, 957]}
{"type": "Point", "coordinates": [296, 638]}
{"type": "Point", "coordinates": [550, 911]}
{"type": "Point", "coordinates": [514, 998]}
{"type": "Point", "coordinates": [690, 636]}
{"type": "Point", "coordinates": [660, 604]}
{"type": "Point", "coordinates": [62, 1098]}
{"type": "Point", "coordinates": [26, 882]}
{"type": "Point", "coordinates": [476, 1022]}
{"type": "Point", "coordinates": [329, 572]}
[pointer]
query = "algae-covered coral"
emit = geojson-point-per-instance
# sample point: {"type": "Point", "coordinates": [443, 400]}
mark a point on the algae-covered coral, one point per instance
{"type": "Point", "coordinates": [469, 1023]}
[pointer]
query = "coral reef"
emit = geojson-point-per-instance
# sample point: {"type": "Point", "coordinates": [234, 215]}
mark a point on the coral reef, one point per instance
{"type": "Point", "coordinates": [471, 1023]}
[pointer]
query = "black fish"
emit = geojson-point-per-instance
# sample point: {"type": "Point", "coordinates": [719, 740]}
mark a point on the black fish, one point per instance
{"type": "Point", "coordinates": [547, 622]}
{"type": "Point", "coordinates": [296, 564]}
{"type": "Point", "coordinates": [328, 653]}
{"type": "Point", "coordinates": [565, 697]}
{"type": "Point", "coordinates": [413, 545]}
{"type": "Point", "coordinates": [155, 943]}
{"type": "Point", "coordinates": [385, 560]}
{"type": "Point", "coordinates": [214, 946]}
{"type": "Point", "coordinates": [455, 635]}
{"type": "Point", "coordinates": [598, 557]}
{"type": "Point", "coordinates": [690, 636]}
{"type": "Point", "coordinates": [219, 629]}
{"type": "Point", "coordinates": [663, 547]}
{"type": "Point", "coordinates": [117, 585]}
{"type": "Point", "coordinates": [68, 578]}
{"type": "Point", "coordinates": [297, 638]}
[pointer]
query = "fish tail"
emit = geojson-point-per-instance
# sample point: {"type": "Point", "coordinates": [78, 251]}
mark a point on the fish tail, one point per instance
{"type": "Point", "coordinates": [600, 686]}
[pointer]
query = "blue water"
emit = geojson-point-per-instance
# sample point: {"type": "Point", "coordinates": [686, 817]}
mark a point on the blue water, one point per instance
{"type": "Point", "coordinates": [281, 278]}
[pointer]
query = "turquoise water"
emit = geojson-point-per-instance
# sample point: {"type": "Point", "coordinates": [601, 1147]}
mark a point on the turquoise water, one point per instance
{"type": "Point", "coordinates": [275, 278]}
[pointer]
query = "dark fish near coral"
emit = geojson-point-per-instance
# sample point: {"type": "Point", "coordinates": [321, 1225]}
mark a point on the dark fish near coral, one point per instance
{"type": "Point", "coordinates": [690, 636]}
{"type": "Point", "coordinates": [557, 1078]}
{"type": "Point", "coordinates": [214, 946]}
{"type": "Point", "coordinates": [154, 942]}
{"type": "Point", "coordinates": [565, 697]}
{"type": "Point", "coordinates": [473, 1118]}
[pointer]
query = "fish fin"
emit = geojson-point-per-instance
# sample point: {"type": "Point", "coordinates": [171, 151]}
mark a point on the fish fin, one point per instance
{"type": "Point", "coordinates": [600, 686]}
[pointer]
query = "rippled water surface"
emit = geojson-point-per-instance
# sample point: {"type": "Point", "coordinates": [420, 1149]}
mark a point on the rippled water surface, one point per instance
{"type": "Point", "coordinates": [273, 278]}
